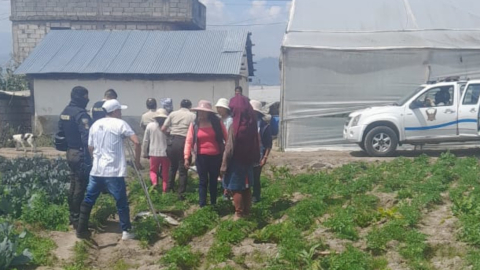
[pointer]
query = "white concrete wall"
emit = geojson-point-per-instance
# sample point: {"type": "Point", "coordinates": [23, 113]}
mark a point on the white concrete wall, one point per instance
{"type": "Point", "coordinates": [51, 96]}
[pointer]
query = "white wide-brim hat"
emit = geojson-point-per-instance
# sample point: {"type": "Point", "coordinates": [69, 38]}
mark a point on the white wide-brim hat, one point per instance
{"type": "Point", "coordinates": [257, 106]}
{"type": "Point", "coordinates": [223, 103]}
{"type": "Point", "coordinates": [161, 113]}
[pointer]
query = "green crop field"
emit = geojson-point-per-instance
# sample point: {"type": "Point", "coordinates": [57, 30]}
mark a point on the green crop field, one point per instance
{"type": "Point", "coordinates": [418, 213]}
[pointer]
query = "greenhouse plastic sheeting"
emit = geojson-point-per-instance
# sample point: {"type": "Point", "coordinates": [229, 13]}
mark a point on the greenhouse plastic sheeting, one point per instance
{"type": "Point", "coordinates": [382, 15]}
{"type": "Point", "coordinates": [336, 60]}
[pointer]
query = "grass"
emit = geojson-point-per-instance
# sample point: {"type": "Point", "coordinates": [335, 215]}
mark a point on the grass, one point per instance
{"type": "Point", "coordinates": [41, 248]}
{"type": "Point", "coordinates": [80, 260]}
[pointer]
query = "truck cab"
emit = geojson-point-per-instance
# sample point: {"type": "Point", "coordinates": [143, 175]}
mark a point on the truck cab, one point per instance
{"type": "Point", "coordinates": [446, 111]}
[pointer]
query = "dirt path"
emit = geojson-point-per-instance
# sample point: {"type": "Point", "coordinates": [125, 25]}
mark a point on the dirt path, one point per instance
{"type": "Point", "coordinates": [297, 161]}
{"type": "Point", "coordinates": [440, 227]}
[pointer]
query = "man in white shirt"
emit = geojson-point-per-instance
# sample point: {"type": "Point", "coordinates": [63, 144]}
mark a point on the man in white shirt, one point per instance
{"type": "Point", "coordinates": [109, 166]}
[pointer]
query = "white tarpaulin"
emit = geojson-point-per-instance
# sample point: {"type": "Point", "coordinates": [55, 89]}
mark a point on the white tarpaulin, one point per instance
{"type": "Point", "coordinates": [339, 56]}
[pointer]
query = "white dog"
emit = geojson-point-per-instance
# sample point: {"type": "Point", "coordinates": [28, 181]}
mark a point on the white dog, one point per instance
{"type": "Point", "coordinates": [25, 138]}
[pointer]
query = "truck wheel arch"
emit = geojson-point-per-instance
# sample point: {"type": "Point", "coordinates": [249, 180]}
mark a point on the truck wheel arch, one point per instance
{"type": "Point", "coordinates": [379, 124]}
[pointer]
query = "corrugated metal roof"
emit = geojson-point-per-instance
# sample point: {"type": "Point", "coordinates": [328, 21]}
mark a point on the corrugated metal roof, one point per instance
{"type": "Point", "coordinates": [138, 52]}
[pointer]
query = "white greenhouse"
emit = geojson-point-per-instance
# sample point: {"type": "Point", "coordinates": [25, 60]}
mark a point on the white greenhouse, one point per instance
{"type": "Point", "coordinates": [339, 56]}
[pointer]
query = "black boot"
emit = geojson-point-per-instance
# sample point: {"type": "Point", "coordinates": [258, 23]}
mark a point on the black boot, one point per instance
{"type": "Point", "coordinates": [74, 220]}
{"type": "Point", "coordinates": [82, 228]}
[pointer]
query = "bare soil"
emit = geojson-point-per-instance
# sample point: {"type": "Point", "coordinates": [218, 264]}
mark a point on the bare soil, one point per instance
{"type": "Point", "coordinates": [440, 227]}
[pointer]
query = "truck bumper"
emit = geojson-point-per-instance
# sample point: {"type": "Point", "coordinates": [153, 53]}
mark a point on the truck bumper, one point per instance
{"type": "Point", "coordinates": [353, 134]}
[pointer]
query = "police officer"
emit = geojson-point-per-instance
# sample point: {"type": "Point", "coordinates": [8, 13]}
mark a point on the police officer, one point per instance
{"type": "Point", "coordinates": [97, 110]}
{"type": "Point", "coordinates": [75, 123]}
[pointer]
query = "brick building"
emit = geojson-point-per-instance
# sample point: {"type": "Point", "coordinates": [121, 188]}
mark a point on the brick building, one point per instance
{"type": "Point", "coordinates": [33, 19]}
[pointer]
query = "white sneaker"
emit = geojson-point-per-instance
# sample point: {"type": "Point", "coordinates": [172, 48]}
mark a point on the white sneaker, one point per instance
{"type": "Point", "coordinates": [128, 236]}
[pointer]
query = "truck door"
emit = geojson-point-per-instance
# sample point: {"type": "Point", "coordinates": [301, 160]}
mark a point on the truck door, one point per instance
{"type": "Point", "coordinates": [433, 114]}
{"type": "Point", "coordinates": [468, 111]}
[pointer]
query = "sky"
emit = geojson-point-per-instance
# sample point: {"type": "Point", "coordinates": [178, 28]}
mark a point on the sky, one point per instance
{"type": "Point", "coordinates": [5, 25]}
{"type": "Point", "coordinates": [267, 20]}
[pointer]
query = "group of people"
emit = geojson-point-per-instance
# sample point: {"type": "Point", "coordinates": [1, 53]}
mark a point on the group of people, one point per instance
{"type": "Point", "coordinates": [230, 145]}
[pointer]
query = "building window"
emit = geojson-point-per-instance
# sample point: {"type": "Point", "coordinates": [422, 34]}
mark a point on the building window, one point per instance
{"type": "Point", "coordinates": [60, 28]}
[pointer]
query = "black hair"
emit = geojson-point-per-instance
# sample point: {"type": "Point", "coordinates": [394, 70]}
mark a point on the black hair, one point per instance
{"type": "Point", "coordinates": [239, 89]}
{"type": "Point", "coordinates": [151, 104]}
{"type": "Point", "coordinates": [160, 120]}
{"type": "Point", "coordinates": [217, 127]}
{"type": "Point", "coordinates": [78, 92]}
{"type": "Point", "coordinates": [111, 94]}
{"type": "Point", "coordinates": [186, 103]}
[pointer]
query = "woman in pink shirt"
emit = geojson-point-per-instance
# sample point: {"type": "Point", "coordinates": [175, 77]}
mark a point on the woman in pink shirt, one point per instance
{"type": "Point", "coordinates": [206, 139]}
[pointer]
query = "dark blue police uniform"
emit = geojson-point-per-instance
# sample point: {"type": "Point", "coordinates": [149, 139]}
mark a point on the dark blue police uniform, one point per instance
{"type": "Point", "coordinates": [97, 111]}
{"type": "Point", "coordinates": [75, 123]}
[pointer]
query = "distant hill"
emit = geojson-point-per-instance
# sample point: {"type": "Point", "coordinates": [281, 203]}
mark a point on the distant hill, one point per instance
{"type": "Point", "coordinates": [267, 72]}
{"type": "Point", "coordinates": [5, 47]}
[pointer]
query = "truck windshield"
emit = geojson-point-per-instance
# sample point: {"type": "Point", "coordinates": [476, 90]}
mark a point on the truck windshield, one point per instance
{"type": "Point", "coordinates": [406, 98]}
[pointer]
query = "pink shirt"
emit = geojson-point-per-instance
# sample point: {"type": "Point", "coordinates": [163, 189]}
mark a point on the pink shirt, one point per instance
{"type": "Point", "coordinates": [206, 142]}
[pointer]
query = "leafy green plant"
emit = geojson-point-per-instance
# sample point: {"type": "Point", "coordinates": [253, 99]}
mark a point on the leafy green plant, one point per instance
{"type": "Point", "coordinates": [343, 224]}
{"type": "Point", "coordinates": [146, 230]}
{"type": "Point", "coordinates": [80, 257]}
{"type": "Point", "coordinates": [308, 258]}
{"type": "Point", "coordinates": [24, 177]}
{"type": "Point", "coordinates": [104, 208]}
{"type": "Point", "coordinates": [39, 211]}
{"type": "Point", "coordinates": [219, 252]}
{"type": "Point", "coordinates": [9, 242]}
{"type": "Point", "coordinates": [11, 82]}
{"type": "Point", "coordinates": [181, 257]}
{"type": "Point", "coordinates": [233, 232]}
{"type": "Point", "coordinates": [352, 258]}
{"type": "Point", "coordinates": [40, 248]}
{"type": "Point", "coordinates": [305, 212]}
{"type": "Point", "coordinates": [196, 224]}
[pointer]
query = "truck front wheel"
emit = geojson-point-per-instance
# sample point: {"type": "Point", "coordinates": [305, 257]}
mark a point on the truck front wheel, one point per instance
{"type": "Point", "coordinates": [381, 141]}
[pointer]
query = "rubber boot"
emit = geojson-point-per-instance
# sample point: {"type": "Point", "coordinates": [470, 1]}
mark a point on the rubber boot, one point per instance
{"type": "Point", "coordinates": [82, 228]}
{"type": "Point", "coordinates": [74, 220]}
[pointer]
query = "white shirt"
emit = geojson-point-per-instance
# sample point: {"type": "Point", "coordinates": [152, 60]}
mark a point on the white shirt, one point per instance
{"type": "Point", "coordinates": [106, 137]}
{"type": "Point", "coordinates": [154, 141]}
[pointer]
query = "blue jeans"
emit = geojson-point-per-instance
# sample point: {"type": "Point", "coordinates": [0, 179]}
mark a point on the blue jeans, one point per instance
{"type": "Point", "coordinates": [116, 187]}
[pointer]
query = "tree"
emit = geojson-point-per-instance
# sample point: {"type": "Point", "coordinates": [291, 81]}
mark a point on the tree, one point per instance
{"type": "Point", "coordinates": [12, 82]}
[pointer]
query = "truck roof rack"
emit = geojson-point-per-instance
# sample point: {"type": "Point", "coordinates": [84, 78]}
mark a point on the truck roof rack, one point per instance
{"type": "Point", "coordinates": [449, 79]}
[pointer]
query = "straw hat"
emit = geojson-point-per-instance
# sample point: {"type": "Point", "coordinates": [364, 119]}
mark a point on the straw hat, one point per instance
{"type": "Point", "coordinates": [223, 103]}
{"type": "Point", "coordinates": [257, 106]}
{"type": "Point", "coordinates": [161, 113]}
{"type": "Point", "coordinates": [204, 105]}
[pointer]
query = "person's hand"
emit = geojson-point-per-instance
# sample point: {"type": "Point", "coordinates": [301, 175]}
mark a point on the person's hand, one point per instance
{"type": "Point", "coordinates": [222, 174]}
{"type": "Point", "coordinates": [187, 164]}
{"type": "Point", "coordinates": [263, 161]}
{"type": "Point", "coordinates": [138, 165]}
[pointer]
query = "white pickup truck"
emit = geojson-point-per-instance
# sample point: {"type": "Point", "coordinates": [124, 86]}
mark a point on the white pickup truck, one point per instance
{"type": "Point", "coordinates": [434, 113]}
